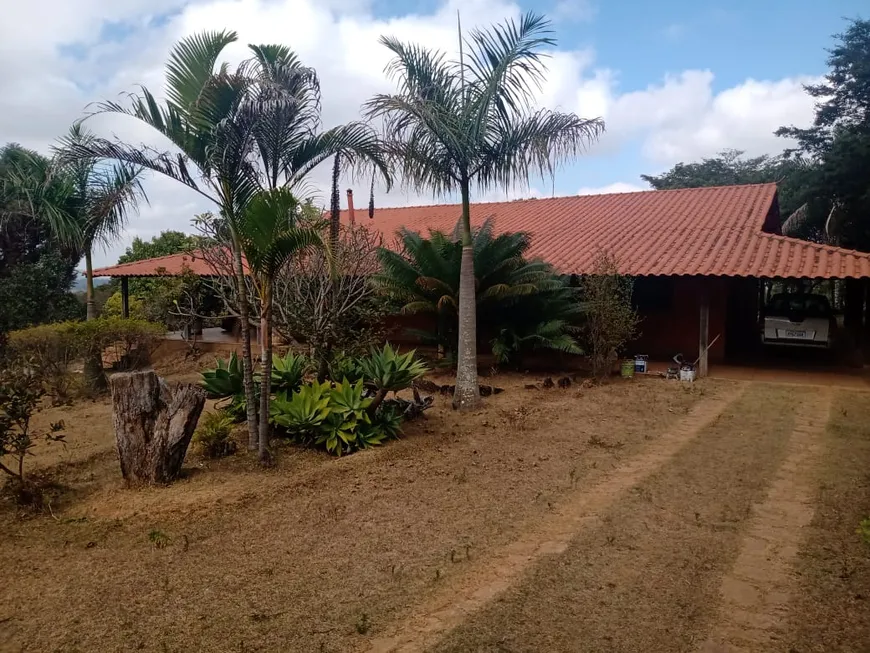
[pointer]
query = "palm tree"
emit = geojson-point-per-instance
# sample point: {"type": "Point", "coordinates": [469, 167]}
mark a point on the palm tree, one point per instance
{"type": "Point", "coordinates": [99, 202]}
{"type": "Point", "coordinates": [269, 236]}
{"type": "Point", "coordinates": [237, 133]}
{"type": "Point", "coordinates": [520, 304]}
{"type": "Point", "coordinates": [454, 124]}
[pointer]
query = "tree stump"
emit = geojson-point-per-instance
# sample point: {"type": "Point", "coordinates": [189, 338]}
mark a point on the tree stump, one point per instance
{"type": "Point", "coordinates": [154, 423]}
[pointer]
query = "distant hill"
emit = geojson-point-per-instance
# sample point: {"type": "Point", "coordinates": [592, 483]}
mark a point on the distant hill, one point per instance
{"type": "Point", "coordinates": [80, 282]}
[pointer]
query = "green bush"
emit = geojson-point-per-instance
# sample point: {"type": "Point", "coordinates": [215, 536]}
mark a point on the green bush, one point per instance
{"type": "Point", "coordinates": [334, 418]}
{"type": "Point", "coordinates": [213, 434]}
{"type": "Point", "coordinates": [303, 412]}
{"type": "Point", "coordinates": [113, 307]}
{"type": "Point", "coordinates": [344, 366]}
{"type": "Point", "coordinates": [126, 344]}
{"type": "Point", "coordinates": [53, 348]}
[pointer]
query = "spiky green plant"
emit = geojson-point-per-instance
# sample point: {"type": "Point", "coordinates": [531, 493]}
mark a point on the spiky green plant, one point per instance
{"type": "Point", "coordinates": [288, 372]}
{"type": "Point", "coordinates": [388, 370]}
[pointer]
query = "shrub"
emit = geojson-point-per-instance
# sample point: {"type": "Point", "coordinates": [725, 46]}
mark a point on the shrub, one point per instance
{"type": "Point", "coordinates": [213, 434]}
{"type": "Point", "coordinates": [113, 307]}
{"type": "Point", "coordinates": [126, 344]}
{"type": "Point", "coordinates": [335, 418]}
{"type": "Point", "coordinates": [610, 319]}
{"type": "Point", "coordinates": [21, 390]}
{"type": "Point", "coordinates": [52, 348]}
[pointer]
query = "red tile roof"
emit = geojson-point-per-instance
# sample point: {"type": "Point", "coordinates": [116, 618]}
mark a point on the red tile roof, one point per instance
{"type": "Point", "coordinates": [696, 231]}
{"type": "Point", "coordinates": [162, 266]}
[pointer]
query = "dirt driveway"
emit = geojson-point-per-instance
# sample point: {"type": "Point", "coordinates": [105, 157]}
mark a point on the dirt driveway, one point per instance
{"type": "Point", "coordinates": [635, 517]}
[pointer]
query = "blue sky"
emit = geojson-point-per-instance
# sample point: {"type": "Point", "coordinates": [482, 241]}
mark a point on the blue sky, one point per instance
{"type": "Point", "coordinates": [674, 80]}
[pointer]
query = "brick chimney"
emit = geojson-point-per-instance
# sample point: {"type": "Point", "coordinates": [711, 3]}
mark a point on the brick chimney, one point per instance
{"type": "Point", "coordinates": [350, 213]}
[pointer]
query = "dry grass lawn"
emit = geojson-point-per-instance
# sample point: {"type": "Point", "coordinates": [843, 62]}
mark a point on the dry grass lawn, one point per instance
{"type": "Point", "coordinates": [323, 554]}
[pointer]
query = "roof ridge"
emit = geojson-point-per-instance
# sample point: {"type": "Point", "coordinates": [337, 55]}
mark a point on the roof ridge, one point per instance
{"type": "Point", "coordinates": [568, 197]}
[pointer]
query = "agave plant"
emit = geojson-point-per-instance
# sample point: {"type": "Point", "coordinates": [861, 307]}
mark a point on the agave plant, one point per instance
{"type": "Point", "coordinates": [348, 418]}
{"type": "Point", "coordinates": [303, 412]}
{"type": "Point", "coordinates": [225, 380]}
{"type": "Point", "coordinates": [288, 372]}
{"type": "Point", "coordinates": [388, 370]}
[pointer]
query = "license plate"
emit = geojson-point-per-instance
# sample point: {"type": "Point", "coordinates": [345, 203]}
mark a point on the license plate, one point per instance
{"type": "Point", "coordinates": [795, 334]}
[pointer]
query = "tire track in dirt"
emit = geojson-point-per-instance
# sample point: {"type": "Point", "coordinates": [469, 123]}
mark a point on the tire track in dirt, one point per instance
{"type": "Point", "coordinates": [456, 601]}
{"type": "Point", "coordinates": [755, 594]}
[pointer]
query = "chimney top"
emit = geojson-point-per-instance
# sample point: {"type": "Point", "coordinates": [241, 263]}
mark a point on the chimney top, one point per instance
{"type": "Point", "coordinates": [350, 214]}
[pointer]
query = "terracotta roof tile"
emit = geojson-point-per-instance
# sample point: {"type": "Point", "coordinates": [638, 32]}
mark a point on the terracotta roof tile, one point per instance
{"type": "Point", "coordinates": [171, 266]}
{"type": "Point", "coordinates": [695, 231]}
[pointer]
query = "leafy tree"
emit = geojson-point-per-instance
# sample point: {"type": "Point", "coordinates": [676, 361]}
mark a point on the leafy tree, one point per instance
{"type": "Point", "coordinates": [20, 394]}
{"type": "Point", "coordinates": [165, 244]}
{"type": "Point", "coordinates": [236, 133]}
{"type": "Point", "coordinates": [838, 142]}
{"type": "Point", "coordinates": [457, 124]}
{"type": "Point", "coordinates": [730, 167]}
{"type": "Point", "coordinates": [36, 271]}
{"type": "Point", "coordinates": [37, 293]}
{"type": "Point", "coordinates": [521, 304]}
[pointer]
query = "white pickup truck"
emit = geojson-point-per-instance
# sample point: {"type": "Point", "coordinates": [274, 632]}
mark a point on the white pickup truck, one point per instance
{"type": "Point", "coordinates": [798, 320]}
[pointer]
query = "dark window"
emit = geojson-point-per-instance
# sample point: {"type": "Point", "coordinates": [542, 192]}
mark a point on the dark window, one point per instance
{"type": "Point", "coordinates": [653, 294]}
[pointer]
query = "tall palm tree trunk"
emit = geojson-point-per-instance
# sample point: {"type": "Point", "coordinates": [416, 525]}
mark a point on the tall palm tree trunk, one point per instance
{"type": "Point", "coordinates": [94, 376]}
{"type": "Point", "coordinates": [467, 393]}
{"type": "Point", "coordinates": [247, 360]}
{"type": "Point", "coordinates": [266, 383]}
{"type": "Point", "coordinates": [89, 285]}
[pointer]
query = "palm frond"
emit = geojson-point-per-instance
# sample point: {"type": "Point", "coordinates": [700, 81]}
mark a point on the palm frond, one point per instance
{"type": "Point", "coordinates": [191, 67]}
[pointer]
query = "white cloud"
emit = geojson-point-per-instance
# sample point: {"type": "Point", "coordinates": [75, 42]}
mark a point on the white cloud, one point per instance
{"type": "Point", "coordinates": [95, 49]}
{"type": "Point", "coordinates": [617, 187]}
{"type": "Point", "coordinates": [578, 11]}
{"type": "Point", "coordinates": [743, 117]}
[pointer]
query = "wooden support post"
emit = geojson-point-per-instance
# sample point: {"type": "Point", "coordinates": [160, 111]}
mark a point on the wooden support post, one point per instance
{"type": "Point", "coordinates": [704, 331]}
{"type": "Point", "coordinates": [125, 297]}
